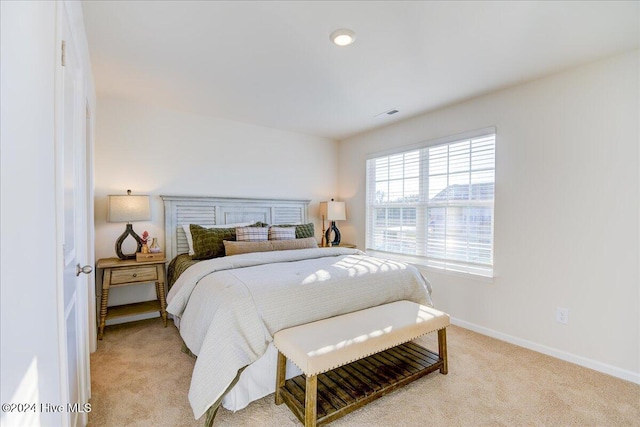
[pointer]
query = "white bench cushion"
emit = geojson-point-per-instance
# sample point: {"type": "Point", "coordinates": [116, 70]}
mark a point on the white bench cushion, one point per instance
{"type": "Point", "coordinates": [327, 344]}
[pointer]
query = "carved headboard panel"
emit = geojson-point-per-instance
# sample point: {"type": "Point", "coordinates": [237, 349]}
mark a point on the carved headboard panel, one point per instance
{"type": "Point", "coordinates": [207, 211]}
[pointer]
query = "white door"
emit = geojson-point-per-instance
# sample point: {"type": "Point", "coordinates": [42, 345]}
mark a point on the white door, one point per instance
{"type": "Point", "coordinates": [72, 172]}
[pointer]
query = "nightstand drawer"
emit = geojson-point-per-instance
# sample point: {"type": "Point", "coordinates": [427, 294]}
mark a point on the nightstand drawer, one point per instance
{"type": "Point", "coordinates": [135, 274]}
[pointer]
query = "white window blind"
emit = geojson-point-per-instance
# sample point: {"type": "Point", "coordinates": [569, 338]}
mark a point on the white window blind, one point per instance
{"type": "Point", "coordinates": [435, 202]}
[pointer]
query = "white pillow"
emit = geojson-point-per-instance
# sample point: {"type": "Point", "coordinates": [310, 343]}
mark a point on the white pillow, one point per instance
{"type": "Point", "coordinates": [187, 231]}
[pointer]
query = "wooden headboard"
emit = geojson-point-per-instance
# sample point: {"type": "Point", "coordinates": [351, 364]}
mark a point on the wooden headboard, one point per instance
{"type": "Point", "coordinates": [207, 211]}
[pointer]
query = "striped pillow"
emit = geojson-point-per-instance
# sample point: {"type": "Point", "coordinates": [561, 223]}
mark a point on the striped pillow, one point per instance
{"type": "Point", "coordinates": [252, 234]}
{"type": "Point", "coordinates": [282, 233]}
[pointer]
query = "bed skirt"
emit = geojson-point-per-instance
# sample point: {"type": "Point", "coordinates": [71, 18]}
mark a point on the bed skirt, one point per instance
{"type": "Point", "coordinates": [257, 381]}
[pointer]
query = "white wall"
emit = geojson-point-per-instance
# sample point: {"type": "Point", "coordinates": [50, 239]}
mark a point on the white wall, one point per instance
{"type": "Point", "coordinates": [566, 212]}
{"type": "Point", "coordinates": [156, 151]}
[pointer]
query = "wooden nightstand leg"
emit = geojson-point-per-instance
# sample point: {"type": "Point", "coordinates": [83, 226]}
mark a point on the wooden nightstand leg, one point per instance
{"type": "Point", "coordinates": [163, 302]}
{"type": "Point", "coordinates": [106, 280]}
{"type": "Point", "coordinates": [160, 288]}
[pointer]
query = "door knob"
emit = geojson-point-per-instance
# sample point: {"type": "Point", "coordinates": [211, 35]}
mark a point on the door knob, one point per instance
{"type": "Point", "coordinates": [86, 269]}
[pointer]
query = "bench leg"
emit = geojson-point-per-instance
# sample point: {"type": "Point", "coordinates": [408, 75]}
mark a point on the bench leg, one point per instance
{"type": "Point", "coordinates": [281, 371]}
{"type": "Point", "coordinates": [310, 404]}
{"type": "Point", "coordinates": [442, 350]}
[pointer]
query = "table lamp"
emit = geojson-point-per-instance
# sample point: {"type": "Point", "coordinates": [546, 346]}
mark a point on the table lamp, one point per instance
{"type": "Point", "coordinates": [128, 209]}
{"type": "Point", "coordinates": [332, 211]}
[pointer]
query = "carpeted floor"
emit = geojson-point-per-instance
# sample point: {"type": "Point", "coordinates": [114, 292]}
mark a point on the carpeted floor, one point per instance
{"type": "Point", "coordinates": [139, 377]}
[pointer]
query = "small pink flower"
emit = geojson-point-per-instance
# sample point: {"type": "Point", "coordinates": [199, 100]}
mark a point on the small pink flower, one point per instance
{"type": "Point", "coordinates": [144, 237]}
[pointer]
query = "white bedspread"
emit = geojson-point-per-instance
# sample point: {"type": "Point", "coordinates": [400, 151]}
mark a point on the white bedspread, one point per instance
{"type": "Point", "coordinates": [230, 307]}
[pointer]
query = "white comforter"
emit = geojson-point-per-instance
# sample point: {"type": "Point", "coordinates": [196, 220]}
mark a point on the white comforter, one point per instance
{"type": "Point", "coordinates": [230, 307]}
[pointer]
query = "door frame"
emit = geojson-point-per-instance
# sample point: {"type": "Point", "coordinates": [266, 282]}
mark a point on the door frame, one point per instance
{"type": "Point", "coordinates": [83, 159]}
{"type": "Point", "coordinates": [92, 329]}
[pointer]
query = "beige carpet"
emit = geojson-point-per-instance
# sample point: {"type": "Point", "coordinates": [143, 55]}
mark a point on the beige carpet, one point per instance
{"type": "Point", "coordinates": [139, 377]}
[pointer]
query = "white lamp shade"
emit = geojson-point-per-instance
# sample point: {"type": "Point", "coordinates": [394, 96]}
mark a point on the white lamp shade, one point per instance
{"type": "Point", "coordinates": [333, 211]}
{"type": "Point", "coordinates": [129, 208]}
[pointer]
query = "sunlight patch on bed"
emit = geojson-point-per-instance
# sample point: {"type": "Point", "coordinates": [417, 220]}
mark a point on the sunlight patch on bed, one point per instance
{"type": "Point", "coordinates": [317, 276]}
{"type": "Point", "coordinates": [357, 266]}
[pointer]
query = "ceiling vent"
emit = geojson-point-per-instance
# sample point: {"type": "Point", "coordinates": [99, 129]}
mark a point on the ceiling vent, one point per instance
{"type": "Point", "coordinates": [387, 113]}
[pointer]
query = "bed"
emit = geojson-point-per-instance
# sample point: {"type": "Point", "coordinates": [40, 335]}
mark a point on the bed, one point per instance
{"type": "Point", "coordinates": [228, 308]}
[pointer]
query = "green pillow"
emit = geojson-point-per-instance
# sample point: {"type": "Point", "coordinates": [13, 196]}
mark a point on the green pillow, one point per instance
{"type": "Point", "coordinates": [259, 224]}
{"type": "Point", "coordinates": [302, 230]}
{"type": "Point", "coordinates": [207, 242]}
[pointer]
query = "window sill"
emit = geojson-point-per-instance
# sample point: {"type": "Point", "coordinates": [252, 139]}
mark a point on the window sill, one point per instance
{"type": "Point", "coordinates": [460, 270]}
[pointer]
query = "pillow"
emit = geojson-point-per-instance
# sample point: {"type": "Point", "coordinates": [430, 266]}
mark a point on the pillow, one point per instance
{"type": "Point", "coordinates": [259, 224]}
{"type": "Point", "coordinates": [302, 230]}
{"type": "Point", "coordinates": [187, 231]}
{"type": "Point", "coordinates": [207, 242]}
{"type": "Point", "coordinates": [251, 234]}
{"type": "Point", "coordinates": [236, 248]}
{"type": "Point", "coordinates": [282, 233]}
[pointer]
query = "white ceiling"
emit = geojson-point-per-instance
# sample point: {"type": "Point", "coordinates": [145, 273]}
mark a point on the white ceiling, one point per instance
{"type": "Point", "coordinates": [271, 63]}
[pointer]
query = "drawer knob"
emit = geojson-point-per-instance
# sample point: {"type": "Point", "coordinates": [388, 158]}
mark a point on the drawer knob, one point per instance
{"type": "Point", "coordinates": [135, 274]}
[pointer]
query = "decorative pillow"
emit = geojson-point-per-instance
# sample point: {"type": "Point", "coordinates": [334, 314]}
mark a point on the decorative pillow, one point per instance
{"type": "Point", "coordinates": [207, 242]}
{"type": "Point", "coordinates": [251, 234]}
{"type": "Point", "coordinates": [187, 231]}
{"type": "Point", "coordinates": [236, 248]}
{"type": "Point", "coordinates": [259, 224]}
{"type": "Point", "coordinates": [302, 230]}
{"type": "Point", "coordinates": [282, 233]}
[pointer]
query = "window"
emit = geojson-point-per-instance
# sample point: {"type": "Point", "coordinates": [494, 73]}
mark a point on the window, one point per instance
{"type": "Point", "coordinates": [435, 202]}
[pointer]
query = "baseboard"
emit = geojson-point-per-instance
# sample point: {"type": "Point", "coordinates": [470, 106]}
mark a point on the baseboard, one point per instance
{"type": "Point", "coordinates": [624, 374]}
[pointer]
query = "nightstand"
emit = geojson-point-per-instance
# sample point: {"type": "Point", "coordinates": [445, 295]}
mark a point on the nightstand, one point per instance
{"type": "Point", "coordinates": [343, 245]}
{"type": "Point", "coordinates": [117, 272]}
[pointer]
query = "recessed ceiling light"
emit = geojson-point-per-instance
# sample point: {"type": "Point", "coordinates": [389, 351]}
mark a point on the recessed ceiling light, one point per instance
{"type": "Point", "coordinates": [342, 37]}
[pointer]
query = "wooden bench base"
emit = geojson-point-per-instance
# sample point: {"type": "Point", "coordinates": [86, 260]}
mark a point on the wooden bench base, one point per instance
{"type": "Point", "coordinates": [320, 399]}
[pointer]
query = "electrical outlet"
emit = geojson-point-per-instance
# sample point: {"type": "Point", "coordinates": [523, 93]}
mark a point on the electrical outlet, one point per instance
{"type": "Point", "coordinates": [562, 315]}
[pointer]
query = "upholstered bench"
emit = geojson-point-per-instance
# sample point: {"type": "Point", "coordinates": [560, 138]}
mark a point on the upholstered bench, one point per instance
{"type": "Point", "coordinates": [352, 359]}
